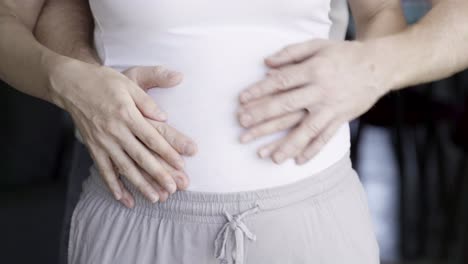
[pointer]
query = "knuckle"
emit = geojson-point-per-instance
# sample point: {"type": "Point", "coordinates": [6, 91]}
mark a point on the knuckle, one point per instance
{"type": "Point", "coordinates": [140, 158]}
{"type": "Point", "coordinates": [131, 73]}
{"type": "Point", "coordinates": [162, 129]}
{"type": "Point", "coordinates": [148, 105]}
{"type": "Point", "coordinates": [157, 70]}
{"type": "Point", "coordinates": [255, 132]}
{"type": "Point", "coordinates": [165, 152]}
{"type": "Point", "coordinates": [321, 139]}
{"type": "Point", "coordinates": [106, 173]}
{"type": "Point", "coordinates": [125, 169]}
{"type": "Point", "coordinates": [281, 79]}
{"type": "Point", "coordinates": [117, 86]}
{"type": "Point", "coordinates": [153, 143]}
{"type": "Point", "coordinates": [99, 121]}
{"type": "Point", "coordinates": [112, 128]}
{"type": "Point", "coordinates": [164, 177]}
{"type": "Point", "coordinates": [123, 111]}
{"type": "Point", "coordinates": [289, 103]}
{"type": "Point", "coordinates": [321, 68]}
{"type": "Point", "coordinates": [311, 128]}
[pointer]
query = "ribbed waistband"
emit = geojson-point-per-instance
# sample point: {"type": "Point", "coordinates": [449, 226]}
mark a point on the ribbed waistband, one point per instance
{"type": "Point", "coordinates": [210, 207]}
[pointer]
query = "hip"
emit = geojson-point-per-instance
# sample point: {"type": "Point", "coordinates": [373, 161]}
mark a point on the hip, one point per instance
{"type": "Point", "coordinates": [324, 218]}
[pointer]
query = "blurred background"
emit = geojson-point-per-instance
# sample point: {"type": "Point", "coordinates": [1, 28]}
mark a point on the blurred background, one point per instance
{"type": "Point", "coordinates": [411, 151]}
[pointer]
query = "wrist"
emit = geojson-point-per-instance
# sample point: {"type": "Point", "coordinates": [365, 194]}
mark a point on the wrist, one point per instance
{"type": "Point", "coordinates": [86, 54]}
{"type": "Point", "coordinates": [386, 64]}
{"type": "Point", "coordinates": [57, 68]}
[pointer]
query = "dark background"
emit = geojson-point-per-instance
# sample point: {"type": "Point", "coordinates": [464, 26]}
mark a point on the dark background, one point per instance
{"type": "Point", "coordinates": [411, 151]}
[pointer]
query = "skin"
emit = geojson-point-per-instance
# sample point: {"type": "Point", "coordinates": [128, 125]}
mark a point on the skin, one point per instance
{"type": "Point", "coordinates": [120, 123]}
{"type": "Point", "coordinates": [301, 90]}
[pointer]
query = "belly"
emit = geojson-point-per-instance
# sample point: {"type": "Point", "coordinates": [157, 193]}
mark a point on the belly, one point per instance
{"type": "Point", "coordinates": [217, 64]}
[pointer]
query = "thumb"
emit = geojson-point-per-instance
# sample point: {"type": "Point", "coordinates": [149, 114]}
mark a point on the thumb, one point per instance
{"type": "Point", "coordinates": [296, 53]}
{"type": "Point", "coordinates": [153, 76]}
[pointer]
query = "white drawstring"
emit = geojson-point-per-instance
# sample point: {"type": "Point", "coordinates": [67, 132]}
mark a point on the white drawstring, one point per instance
{"type": "Point", "coordinates": [240, 229]}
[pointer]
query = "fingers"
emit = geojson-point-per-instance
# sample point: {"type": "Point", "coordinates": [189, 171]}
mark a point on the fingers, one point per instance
{"type": "Point", "coordinates": [181, 179]}
{"type": "Point", "coordinates": [147, 106]}
{"type": "Point", "coordinates": [284, 122]}
{"type": "Point", "coordinates": [146, 160]}
{"type": "Point", "coordinates": [127, 198]}
{"type": "Point", "coordinates": [150, 137]}
{"type": "Point", "coordinates": [153, 76]}
{"type": "Point", "coordinates": [163, 194]}
{"type": "Point", "coordinates": [149, 77]}
{"type": "Point", "coordinates": [295, 53]}
{"type": "Point", "coordinates": [128, 169]}
{"type": "Point", "coordinates": [298, 139]}
{"type": "Point", "coordinates": [277, 80]}
{"type": "Point", "coordinates": [317, 143]}
{"type": "Point", "coordinates": [180, 142]}
{"type": "Point", "coordinates": [267, 150]}
{"type": "Point", "coordinates": [284, 103]}
{"type": "Point", "coordinates": [106, 170]}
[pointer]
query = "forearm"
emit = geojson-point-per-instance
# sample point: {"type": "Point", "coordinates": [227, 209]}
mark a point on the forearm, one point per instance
{"type": "Point", "coordinates": [26, 64]}
{"type": "Point", "coordinates": [380, 19]}
{"type": "Point", "coordinates": [66, 26]}
{"type": "Point", "coordinates": [430, 50]}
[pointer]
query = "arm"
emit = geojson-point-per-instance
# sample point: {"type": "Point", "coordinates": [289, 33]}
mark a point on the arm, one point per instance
{"type": "Point", "coordinates": [72, 24]}
{"type": "Point", "coordinates": [110, 118]}
{"type": "Point", "coordinates": [376, 18]}
{"type": "Point", "coordinates": [25, 63]}
{"type": "Point", "coordinates": [432, 49]}
{"type": "Point", "coordinates": [340, 80]}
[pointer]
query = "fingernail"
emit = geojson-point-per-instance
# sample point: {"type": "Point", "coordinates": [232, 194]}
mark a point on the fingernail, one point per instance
{"type": "Point", "coordinates": [178, 180]}
{"type": "Point", "coordinates": [246, 119]}
{"type": "Point", "coordinates": [300, 160]}
{"type": "Point", "coordinates": [164, 195]}
{"type": "Point", "coordinates": [126, 202]}
{"type": "Point", "coordinates": [154, 197]}
{"type": "Point", "coordinates": [246, 137]}
{"type": "Point", "coordinates": [130, 203]}
{"type": "Point", "coordinates": [173, 74]}
{"type": "Point", "coordinates": [181, 183]}
{"type": "Point", "coordinates": [118, 195]}
{"type": "Point", "coordinates": [279, 157]}
{"type": "Point", "coordinates": [189, 149]}
{"type": "Point", "coordinates": [161, 115]}
{"type": "Point", "coordinates": [275, 58]}
{"type": "Point", "coordinates": [170, 187]}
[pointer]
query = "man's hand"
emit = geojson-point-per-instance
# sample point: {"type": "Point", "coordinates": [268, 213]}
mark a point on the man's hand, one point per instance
{"type": "Point", "coordinates": [123, 128]}
{"type": "Point", "coordinates": [315, 87]}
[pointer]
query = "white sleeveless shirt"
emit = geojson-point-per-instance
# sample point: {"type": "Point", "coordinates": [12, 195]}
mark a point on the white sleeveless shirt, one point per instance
{"type": "Point", "coordinates": [219, 46]}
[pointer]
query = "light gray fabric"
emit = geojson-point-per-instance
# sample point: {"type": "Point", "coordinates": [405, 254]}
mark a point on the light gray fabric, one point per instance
{"type": "Point", "coordinates": [239, 228]}
{"type": "Point", "coordinates": [321, 219]}
{"type": "Point", "coordinates": [339, 15]}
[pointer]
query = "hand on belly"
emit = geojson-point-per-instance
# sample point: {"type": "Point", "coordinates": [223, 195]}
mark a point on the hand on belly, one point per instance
{"type": "Point", "coordinates": [127, 136]}
{"type": "Point", "coordinates": [313, 87]}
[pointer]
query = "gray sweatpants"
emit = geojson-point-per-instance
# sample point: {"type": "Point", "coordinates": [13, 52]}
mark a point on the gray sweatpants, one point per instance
{"type": "Point", "coordinates": [321, 219]}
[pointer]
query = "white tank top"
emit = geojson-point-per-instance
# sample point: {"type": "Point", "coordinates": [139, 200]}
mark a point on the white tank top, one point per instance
{"type": "Point", "coordinates": [219, 46]}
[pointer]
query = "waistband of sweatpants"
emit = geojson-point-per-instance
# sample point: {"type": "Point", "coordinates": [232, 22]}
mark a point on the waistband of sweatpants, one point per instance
{"type": "Point", "coordinates": [210, 206]}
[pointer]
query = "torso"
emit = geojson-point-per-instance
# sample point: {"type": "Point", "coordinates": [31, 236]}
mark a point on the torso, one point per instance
{"type": "Point", "coordinates": [219, 46]}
